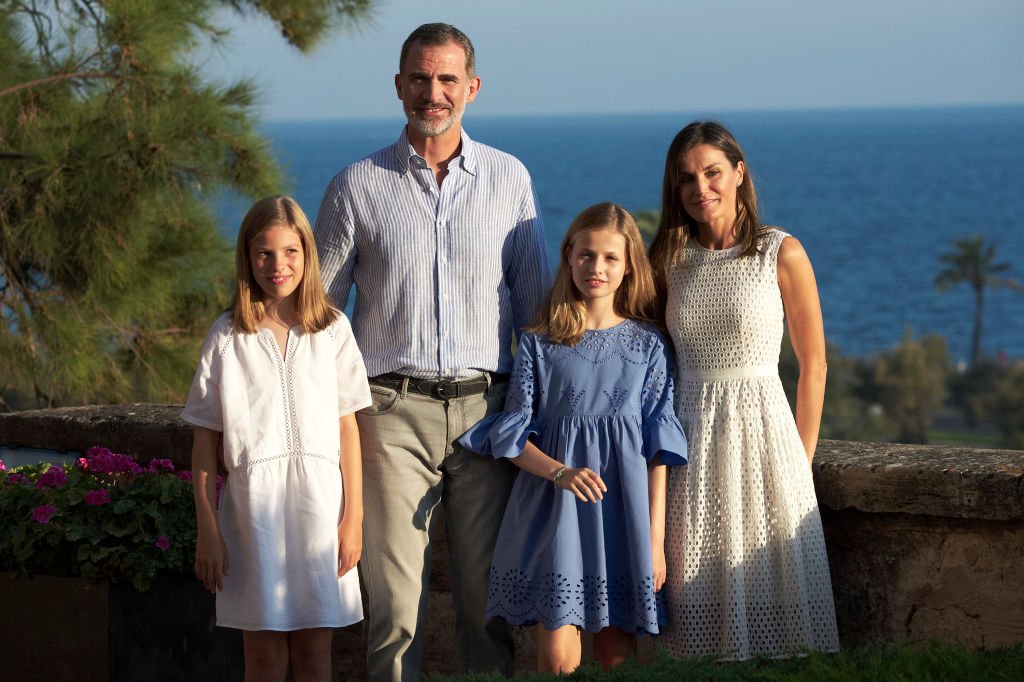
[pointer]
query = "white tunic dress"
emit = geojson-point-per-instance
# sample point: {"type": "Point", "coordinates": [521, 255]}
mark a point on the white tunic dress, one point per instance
{"type": "Point", "coordinates": [282, 499]}
{"type": "Point", "coordinates": [747, 569]}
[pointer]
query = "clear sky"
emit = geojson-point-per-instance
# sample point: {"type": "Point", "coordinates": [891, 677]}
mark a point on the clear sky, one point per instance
{"type": "Point", "coordinates": [592, 56]}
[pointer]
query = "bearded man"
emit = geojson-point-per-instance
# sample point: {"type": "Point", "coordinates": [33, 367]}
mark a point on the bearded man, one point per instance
{"type": "Point", "coordinates": [443, 240]}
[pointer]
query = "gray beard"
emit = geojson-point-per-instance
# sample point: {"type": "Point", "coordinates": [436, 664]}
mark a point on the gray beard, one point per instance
{"type": "Point", "coordinates": [429, 129]}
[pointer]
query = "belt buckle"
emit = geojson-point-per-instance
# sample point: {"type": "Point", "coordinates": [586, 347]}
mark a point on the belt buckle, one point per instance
{"type": "Point", "coordinates": [445, 390]}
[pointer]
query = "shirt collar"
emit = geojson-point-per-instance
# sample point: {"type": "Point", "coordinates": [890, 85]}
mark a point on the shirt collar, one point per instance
{"type": "Point", "coordinates": [404, 153]}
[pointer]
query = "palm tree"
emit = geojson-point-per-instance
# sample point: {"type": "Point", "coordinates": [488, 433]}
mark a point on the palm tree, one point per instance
{"type": "Point", "coordinates": [973, 261]}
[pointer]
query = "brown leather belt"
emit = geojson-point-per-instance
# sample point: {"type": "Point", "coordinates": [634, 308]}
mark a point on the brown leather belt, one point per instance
{"type": "Point", "coordinates": [439, 390]}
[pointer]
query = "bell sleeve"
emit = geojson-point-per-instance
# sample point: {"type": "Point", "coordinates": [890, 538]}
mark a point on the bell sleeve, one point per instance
{"type": "Point", "coordinates": [203, 407]}
{"type": "Point", "coordinates": [353, 387]}
{"type": "Point", "coordinates": [662, 432]}
{"type": "Point", "coordinates": [504, 434]}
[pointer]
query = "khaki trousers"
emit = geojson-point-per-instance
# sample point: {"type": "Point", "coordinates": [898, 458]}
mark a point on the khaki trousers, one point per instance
{"type": "Point", "coordinates": [411, 464]}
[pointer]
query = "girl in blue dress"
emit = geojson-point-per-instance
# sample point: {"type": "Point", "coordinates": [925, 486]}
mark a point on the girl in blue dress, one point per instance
{"type": "Point", "coordinates": [589, 419]}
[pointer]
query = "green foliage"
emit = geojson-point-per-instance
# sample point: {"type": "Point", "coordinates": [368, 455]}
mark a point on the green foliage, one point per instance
{"type": "Point", "coordinates": [969, 389]}
{"type": "Point", "coordinates": [933, 663]}
{"type": "Point", "coordinates": [304, 24]}
{"type": "Point", "coordinates": [104, 518]}
{"type": "Point", "coordinates": [912, 384]}
{"type": "Point", "coordinates": [112, 150]}
{"type": "Point", "coordinates": [1004, 405]}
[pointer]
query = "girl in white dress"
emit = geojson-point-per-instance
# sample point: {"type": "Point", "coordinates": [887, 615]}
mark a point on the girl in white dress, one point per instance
{"type": "Point", "coordinates": [273, 404]}
{"type": "Point", "coordinates": [747, 570]}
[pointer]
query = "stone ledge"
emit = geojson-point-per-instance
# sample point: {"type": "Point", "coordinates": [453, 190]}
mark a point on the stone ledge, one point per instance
{"type": "Point", "coordinates": [930, 480]}
{"type": "Point", "coordinates": [143, 430]}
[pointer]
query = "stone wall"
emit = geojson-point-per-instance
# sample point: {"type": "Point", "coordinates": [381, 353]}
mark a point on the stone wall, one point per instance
{"type": "Point", "coordinates": [925, 542]}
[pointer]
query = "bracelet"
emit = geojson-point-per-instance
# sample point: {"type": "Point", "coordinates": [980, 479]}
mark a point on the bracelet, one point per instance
{"type": "Point", "coordinates": [558, 475]}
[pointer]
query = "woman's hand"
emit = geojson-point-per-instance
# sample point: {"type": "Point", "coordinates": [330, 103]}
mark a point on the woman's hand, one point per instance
{"type": "Point", "coordinates": [583, 483]}
{"type": "Point", "coordinates": [211, 560]}
{"type": "Point", "coordinates": [350, 545]}
{"type": "Point", "coordinates": [660, 566]}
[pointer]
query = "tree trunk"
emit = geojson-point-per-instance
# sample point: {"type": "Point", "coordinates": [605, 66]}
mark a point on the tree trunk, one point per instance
{"type": "Point", "coordinates": [979, 307]}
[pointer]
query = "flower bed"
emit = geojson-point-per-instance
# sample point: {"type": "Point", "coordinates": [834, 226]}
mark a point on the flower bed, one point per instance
{"type": "Point", "coordinates": [106, 517]}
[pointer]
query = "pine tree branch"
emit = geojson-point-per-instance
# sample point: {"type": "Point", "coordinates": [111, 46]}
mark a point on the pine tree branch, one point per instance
{"type": "Point", "coordinates": [59, 77]}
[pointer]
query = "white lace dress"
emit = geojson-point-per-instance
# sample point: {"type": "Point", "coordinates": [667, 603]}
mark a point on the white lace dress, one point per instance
{"type": "Point", "coordinates": [747, 570]}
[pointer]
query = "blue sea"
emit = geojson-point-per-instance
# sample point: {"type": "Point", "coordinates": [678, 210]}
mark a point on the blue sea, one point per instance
{"type": "Point", "coordinates": [874, 195]}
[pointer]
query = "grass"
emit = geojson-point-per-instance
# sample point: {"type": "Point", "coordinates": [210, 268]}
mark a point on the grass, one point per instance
{"type": "Point", "coordinates": [965, 438]}
{"type": "Point", "coordinates": [876, 663]}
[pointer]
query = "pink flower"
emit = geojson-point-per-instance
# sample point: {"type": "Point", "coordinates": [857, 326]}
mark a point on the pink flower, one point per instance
{"type": "Point", "coordinates": [2, 467]}
{"type": "Point", "coordinates": [97, 460]}
{"type": "Point", "coordinates": [95, 498]}
{"type": "Point", "coordinates": [97, 451]}
{"type": "Point", "coordinates": [162, 543]}
{"type": "Point", "coordinates": [43, 512]}
{"type": "Point", "coordinates": [158, 465]}
{"type": "Point", "coordinates": [15, 478]}
{"type": "Point", "coordinates": [102, 461]}
{"type": "Point", "coordinates": [185, 475]}
{"type": "Point", "coordinates": [52, 478]}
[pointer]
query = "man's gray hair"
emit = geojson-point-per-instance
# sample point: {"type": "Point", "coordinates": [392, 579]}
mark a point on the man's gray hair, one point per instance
{"type": "Point", "coordinates": [436, 35]}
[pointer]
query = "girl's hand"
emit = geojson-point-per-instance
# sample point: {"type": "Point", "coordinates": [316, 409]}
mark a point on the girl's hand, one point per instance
{"type": "Point", "coordinates": [211, 561]}
{"type": "Point", "coordinates": [585, 484]}
{"type": "Point", "coordinates": [350, 545]}
{"type": "Point", "coordinates": [660, 566]}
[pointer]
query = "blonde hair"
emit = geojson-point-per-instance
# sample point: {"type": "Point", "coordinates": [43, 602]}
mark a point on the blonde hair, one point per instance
{"type": "Point", "coordinates": [676, 226]}
{"type": "Point", "coordinates": [563, 316]}
{"type": "Point", "coordinates": [314, 310]}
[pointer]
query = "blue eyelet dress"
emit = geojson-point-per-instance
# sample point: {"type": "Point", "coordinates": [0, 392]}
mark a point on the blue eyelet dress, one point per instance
{"type": "Point", "coordinates": [605, 404]}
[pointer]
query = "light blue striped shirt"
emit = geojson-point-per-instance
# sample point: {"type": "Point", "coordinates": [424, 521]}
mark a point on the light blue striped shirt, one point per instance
{"type": "Point", "coordinates": [443, 274]}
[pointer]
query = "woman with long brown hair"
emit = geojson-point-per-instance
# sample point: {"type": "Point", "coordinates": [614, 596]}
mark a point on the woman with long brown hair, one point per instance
{"type": "Point", "coordinates": [747, 570]}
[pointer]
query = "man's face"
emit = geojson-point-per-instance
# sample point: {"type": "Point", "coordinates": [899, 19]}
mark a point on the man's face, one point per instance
{"type": "Point", "coordinates": [435, 87]}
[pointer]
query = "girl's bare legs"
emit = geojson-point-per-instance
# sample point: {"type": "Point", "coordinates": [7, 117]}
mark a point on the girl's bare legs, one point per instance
{"type": "Point", "coordinates": [268, 654]}
{"type": "Point", "coordinates": [310, 652]}
{"type": "Point", "coordinates": [559, 650]}
{"type": "Point", "coordinates": [612, 646]}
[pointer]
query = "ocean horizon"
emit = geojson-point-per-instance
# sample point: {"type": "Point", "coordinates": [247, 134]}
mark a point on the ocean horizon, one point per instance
{"type": "Point", "coordinates": [874, 194]}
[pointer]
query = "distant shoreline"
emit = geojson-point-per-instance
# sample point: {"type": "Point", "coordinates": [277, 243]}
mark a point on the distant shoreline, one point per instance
{"type": "Point", "coordinates": [688, 114]}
